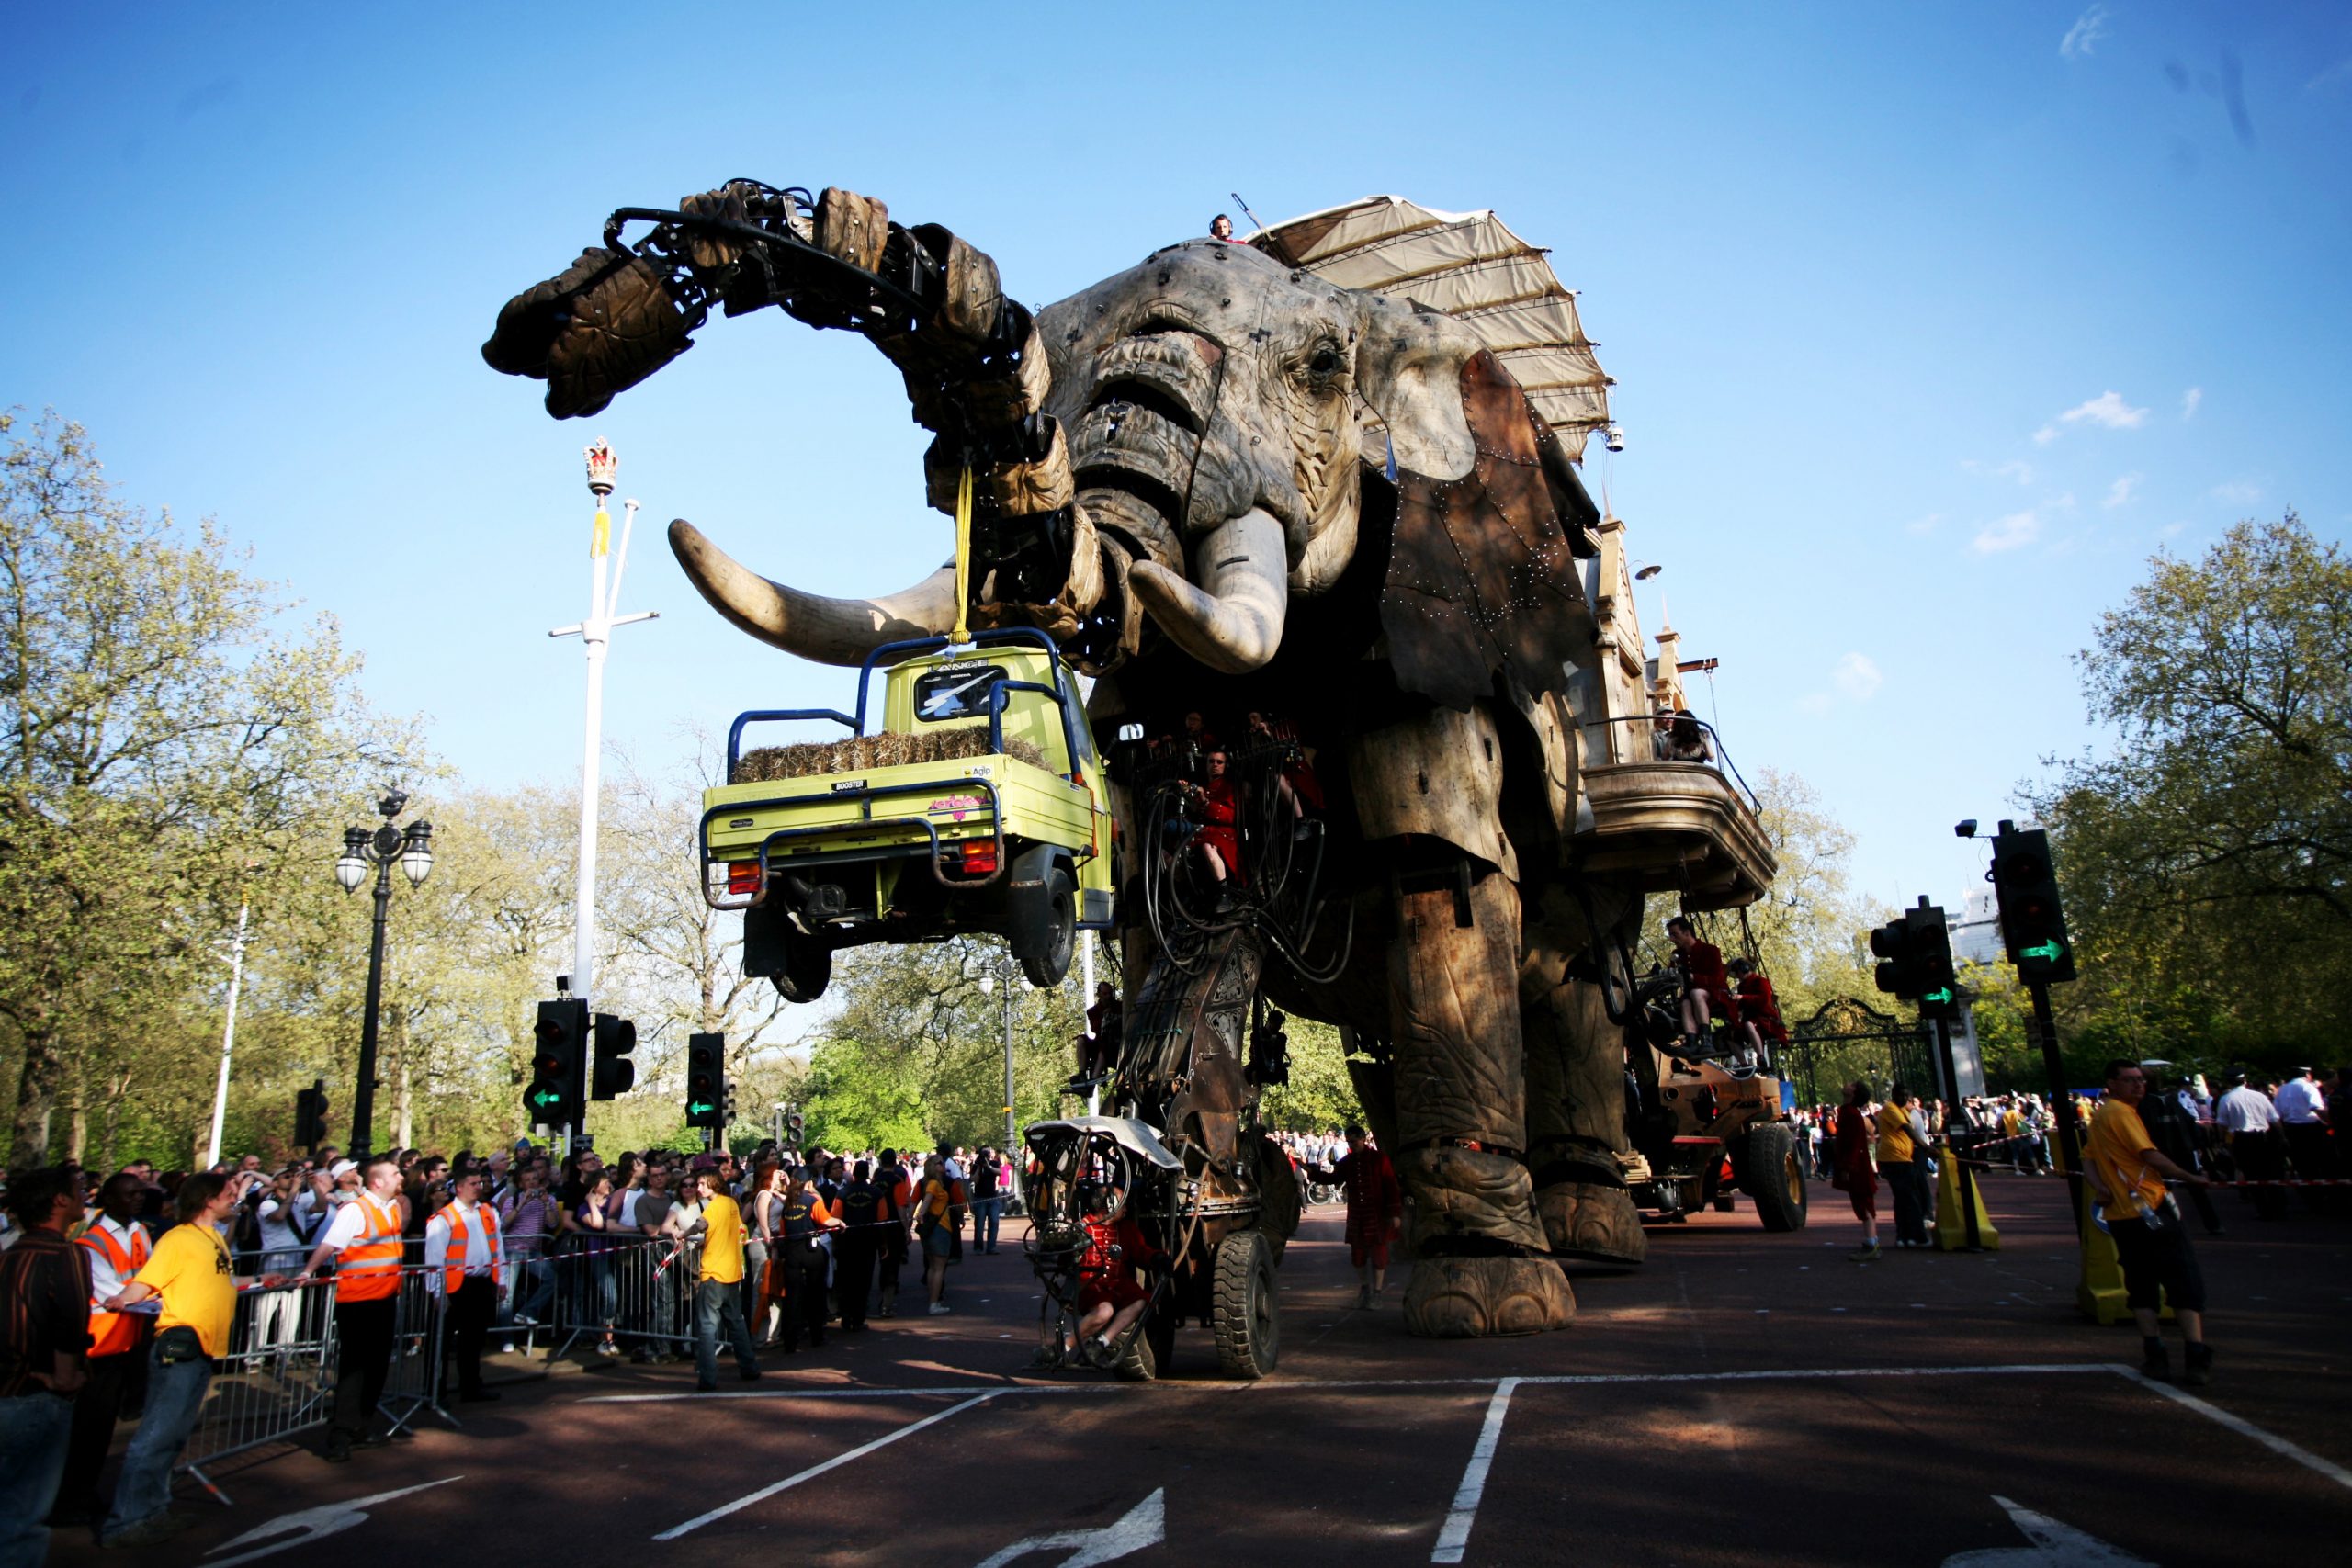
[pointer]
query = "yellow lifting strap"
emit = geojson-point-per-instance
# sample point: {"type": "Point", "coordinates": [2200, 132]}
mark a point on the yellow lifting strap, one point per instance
{"type": "Point", "coordinates": [963, 632]}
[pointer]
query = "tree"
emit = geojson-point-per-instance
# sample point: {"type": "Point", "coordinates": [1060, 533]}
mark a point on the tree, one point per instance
{"type": "Point", "coordinates": [1319, 1096]}
{"type": "Point", "coordinates": [2210, 853]}
{"type": "Point", "coordinates": [164, 740]}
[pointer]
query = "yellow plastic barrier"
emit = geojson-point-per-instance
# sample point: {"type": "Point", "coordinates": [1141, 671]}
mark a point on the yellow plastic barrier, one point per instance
{"type": "Point", "coordinates": [1951, 1220]}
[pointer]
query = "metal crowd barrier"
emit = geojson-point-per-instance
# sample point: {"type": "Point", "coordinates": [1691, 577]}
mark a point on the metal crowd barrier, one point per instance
{"type": "Point", "coordinates": [413, 1382]}
{"type": "Point", "coordinates": [276, 1380]}
{"type": "Point", "coordinates": [636, 1293]}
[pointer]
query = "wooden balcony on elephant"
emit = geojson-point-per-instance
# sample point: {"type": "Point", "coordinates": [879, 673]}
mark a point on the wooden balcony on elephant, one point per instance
{"type": "Point", "coordinates": [1671, 826]}
{"type": "Point", "coordinates": [1667, 810]}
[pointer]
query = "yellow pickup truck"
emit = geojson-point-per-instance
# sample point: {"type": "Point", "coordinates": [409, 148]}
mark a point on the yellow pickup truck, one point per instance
{"type": "Point", "coordinates": [977, 805]}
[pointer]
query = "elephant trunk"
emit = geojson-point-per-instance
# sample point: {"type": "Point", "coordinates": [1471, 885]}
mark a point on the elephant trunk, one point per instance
{"type": "Point", "coordinates": [829, 631]}
{"type": "Point", "coordinates": [1233, 621]}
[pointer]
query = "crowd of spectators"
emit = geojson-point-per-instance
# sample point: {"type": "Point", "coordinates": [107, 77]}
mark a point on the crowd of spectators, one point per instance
{"type": "Point", "coordinates": [118, 1296]}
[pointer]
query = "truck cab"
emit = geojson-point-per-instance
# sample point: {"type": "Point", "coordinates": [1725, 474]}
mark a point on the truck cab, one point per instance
{"type": "Point", "coordinates": [975, 804]}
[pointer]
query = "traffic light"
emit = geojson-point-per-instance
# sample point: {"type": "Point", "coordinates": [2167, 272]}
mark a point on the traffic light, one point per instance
{"type": "Point", "coordinates": [2033, 923]}
{"type": "Point", "coordinates": [614, 1075]}
{"type": "Point", "coordinates": [1914, 950]}
{"type": "Point", "coordinates": [310, 1114]}
{"type": "Point", "coordinates": [557, 1097]}
{"type": "Point", "coordinates": [1930, 954]}
{"type": "Point", "coordinates": [1891, 943]}
{"type": "Point", "coordinates": [795, 1126]}
{"type": "Point", "coordinates": [706, 1090]}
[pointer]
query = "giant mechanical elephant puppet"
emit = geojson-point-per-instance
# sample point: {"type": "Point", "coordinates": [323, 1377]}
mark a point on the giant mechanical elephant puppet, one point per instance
{"type": "Point", "coordinates": [1224, 484]}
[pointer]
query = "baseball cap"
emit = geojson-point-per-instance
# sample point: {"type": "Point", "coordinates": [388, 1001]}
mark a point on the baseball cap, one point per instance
{"type": "Point", "coordinates": [341, 1169]}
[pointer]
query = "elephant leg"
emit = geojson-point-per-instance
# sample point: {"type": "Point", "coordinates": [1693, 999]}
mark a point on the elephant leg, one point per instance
{"type": "Point", "coordinates": [1476, 1243]}
{"type": "Point", "coordinates": [1576, 1123]}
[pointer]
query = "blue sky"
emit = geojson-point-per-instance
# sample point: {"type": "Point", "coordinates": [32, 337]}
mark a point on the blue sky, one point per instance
{"type": "Point", "coordinates": [1930, 326]}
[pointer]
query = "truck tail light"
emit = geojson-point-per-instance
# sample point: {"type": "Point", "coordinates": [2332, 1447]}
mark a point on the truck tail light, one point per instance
{"type": "Point", "coordinates": [980, 857]}
{"type": "Point", "coordinates": [731, 884]}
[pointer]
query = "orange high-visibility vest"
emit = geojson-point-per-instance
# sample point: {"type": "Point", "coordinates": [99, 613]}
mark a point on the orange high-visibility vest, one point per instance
{"type": "Point", "coordinates": [115, 1333]}
{"type": "Point", "coordinates": [453, 1261]}
{"type": "Point", "coordinates": [369, 1269]}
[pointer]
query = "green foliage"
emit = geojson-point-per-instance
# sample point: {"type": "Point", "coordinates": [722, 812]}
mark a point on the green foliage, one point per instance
{"type": "Point", "coordinates": [916, 1052]}
{"type": "Point", "coordinates": [169, 749]}
{"type": "Point", "coordinates": [1319, 1096]}
{"type": "Point", "coordinates": [2205, 860]}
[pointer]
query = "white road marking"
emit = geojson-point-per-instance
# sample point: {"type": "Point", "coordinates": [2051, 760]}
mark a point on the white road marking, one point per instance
{"type": "Point", "coordinates": [2055, 1545]}
{"type": "Point", "coordinates": [1143, 1525]}
{"type": "Point", "coordinates": [1456, 1535]}
{"type": "Point", "coordinates": [817, 1469]}
{"type": "Point", "coordinates": [2245, 1428]}
{"type": "Point", "coordinates": [312, 1523]}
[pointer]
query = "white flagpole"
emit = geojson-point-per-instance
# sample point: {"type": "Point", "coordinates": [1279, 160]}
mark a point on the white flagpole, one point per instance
{"type": "Point", "coordinates": [595, 634]}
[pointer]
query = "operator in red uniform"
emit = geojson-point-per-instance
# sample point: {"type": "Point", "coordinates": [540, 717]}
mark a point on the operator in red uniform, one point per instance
{"type": "Point", "coordinates": [1220, 807]}
{"type": "Point", "coordinates": [1706, 988]}
{"type": "Point", "coordinates": [1375, 1207]}
{"type": "Point", "coordinates": [1110, 1297]}
{"type": "Point", "coordinates": [1759, 1009]}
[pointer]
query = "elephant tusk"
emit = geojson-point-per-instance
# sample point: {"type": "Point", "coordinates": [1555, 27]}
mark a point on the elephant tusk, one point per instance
{"type": "Point", "coordinates": [1233, 621]}
{"type": "Point", "coordinates": [829, 631]}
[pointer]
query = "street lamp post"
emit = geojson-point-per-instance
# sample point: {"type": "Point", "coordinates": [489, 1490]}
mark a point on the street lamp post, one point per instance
{"type": "Point", "coordinates": [412, 848]}
{"type": "Point", "coordinates": [999, 977]}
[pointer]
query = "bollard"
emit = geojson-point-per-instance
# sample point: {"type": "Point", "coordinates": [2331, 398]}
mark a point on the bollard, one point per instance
{"type": "Point", "coordinates": [1962, 1221]}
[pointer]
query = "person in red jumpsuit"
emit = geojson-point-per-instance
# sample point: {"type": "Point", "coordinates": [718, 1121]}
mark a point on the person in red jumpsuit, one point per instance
{"type": "Point", "coordinates": [1110, 1297]}
{"type": "Point", "coordinates": [1218, 839]}
{"type": "Point", "coordinates": [1759, 1009]}
{"type": "Point", "coordinates": [1706, 988]}
{"type": "Point", "coordinates": [1375, 1206]}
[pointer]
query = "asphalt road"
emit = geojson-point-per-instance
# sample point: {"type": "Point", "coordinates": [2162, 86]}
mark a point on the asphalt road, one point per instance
{"type": "Point", "coordinates": [1744, 1398]}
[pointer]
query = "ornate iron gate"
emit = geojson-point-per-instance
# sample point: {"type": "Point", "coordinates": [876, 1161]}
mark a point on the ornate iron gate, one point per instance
{"type": "Point", "coordinates": [1847, 1039]}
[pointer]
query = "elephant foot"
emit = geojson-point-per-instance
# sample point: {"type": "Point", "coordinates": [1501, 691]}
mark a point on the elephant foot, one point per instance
{"type": "Point", "coordinates": [1592, 1220]}
{"type": "Point", "coordinates": [1469, 1196]}
{"type": "Point", "coordinates": [1476, 1298]}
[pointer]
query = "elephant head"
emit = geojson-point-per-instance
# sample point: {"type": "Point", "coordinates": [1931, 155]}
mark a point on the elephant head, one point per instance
{"type": "Point", "coordinates": [1194, 440]}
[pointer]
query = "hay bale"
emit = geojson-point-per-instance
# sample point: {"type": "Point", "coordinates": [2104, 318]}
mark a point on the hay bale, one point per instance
{"type": "Point", "coordinates": [858, 754]}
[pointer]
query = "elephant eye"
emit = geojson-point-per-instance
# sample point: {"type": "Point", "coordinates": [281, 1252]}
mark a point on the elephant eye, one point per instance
{"type": "Point", "coordinates": [1327, 361]}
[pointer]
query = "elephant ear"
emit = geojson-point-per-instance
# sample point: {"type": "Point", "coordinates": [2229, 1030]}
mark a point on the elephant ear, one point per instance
{"type": "Point", "coordinates": [1482, 576]}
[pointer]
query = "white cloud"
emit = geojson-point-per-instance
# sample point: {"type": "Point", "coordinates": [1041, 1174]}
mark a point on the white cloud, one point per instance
{"type": "Point", "coordinates": [2189, 401]}
{"type": "Point", "coordinates": [1858, 676]}
{"type": "Point", "coordinates": [2120, 492]}
{"type": "Point", "coordinates": [2172, 530]}
{"type": "Point", "coordinates": [2088, 33]}
{"type": "Point", "coordinates": [2335, 74]}
{"type": "Point", "coordinates": [2013, 532]}
{"type": "Point", "coordinates": [2046, 435]}
{"type": "Point", "coordinates": [2238, 492]}
{"type": "Point", "coordinates": [1924, 525]}
{"type": "Point", "coordinates": [2014, 469]}
{"type": "Point", "coordinates": [2063, 501]}
{"type": "Point", "coordinates": [2107, 408]}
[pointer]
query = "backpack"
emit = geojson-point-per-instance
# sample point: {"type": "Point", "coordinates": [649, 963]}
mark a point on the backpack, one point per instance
{"type": "Point", "coordinates": [886, 1191]}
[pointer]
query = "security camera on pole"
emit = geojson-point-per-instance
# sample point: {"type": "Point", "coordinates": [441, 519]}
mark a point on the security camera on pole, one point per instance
{"type": "Point", "coordinates": [595, 634]}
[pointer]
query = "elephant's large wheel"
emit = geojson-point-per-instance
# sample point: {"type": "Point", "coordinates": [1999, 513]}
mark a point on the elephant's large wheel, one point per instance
{"type": "Point", "coordinates": [1245, 1312]}
{"type": "Point", "coordinates": [1776, 1177]}
{"type": "Point", "coordinates": [1048, 960]}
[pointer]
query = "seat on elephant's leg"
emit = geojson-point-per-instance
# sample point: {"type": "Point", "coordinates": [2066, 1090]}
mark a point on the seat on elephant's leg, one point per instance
{"type": "Point", "coordinates": [1479, 1255]}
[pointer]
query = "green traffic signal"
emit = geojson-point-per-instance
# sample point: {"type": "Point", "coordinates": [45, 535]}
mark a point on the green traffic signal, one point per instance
{"type": "Point", "coordinates": [2049, 952]}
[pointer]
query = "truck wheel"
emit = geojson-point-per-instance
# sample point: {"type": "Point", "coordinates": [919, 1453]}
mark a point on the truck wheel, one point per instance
{"type": "Point", "coordinates": [1048, 961]}
{"type": "Point", "coordinates": [1776, 1174]}
{"type": "Point", "coordinates": [1246, 1314]}
{"type": "Point", "coordinates": [807, 969]}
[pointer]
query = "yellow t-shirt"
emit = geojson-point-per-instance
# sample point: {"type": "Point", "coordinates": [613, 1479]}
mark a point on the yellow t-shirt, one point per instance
{"type": "Point", "coordinates": [2118, 1136]}
{"type": "Point", "coordinates": [189, 1268]}
{"type": "Point", "coordinates": [2011, 1122]}
{"type": "Point", "coordinates": [723, 1240]}
{"type": "Point", "coordinates": [1893, 1134]}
